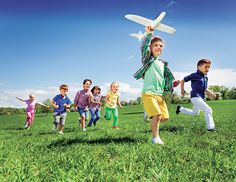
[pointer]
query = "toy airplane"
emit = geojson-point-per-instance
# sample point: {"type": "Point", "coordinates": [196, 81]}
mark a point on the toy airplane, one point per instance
{"type": "Point", "coordinates": [147, 22]}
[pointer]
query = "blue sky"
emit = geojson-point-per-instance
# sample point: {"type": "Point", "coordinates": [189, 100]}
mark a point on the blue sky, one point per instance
{"type": "Point", "coordinates": [44, 43]}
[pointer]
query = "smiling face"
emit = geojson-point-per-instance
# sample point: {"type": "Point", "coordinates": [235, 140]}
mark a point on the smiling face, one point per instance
{"type": "Point", "coordinates": [114, 87]}
{"type": "Point", "coordinates": [63, 92]}
{"type": "Point", "coordinates": [156, 46]}
{"type": "Point", "coordinates": [97, 91]}
{"type": "Point", "coordinates": [87, 85]}
{"type": "Point", "coordinates": [204, 68]}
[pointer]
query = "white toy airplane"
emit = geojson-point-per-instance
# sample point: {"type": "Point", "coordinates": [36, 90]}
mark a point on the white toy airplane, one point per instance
{"type": "Point", "coordinates": [147, 22]}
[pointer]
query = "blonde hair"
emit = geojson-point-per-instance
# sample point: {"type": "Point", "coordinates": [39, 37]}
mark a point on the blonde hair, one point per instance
{"type": "Point", "coordinates": [31, 96]}
{"type": "Point", "coordinates": [113, 83]}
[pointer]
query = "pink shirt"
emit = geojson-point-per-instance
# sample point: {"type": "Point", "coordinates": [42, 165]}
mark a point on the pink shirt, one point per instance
{"type": "Point", "coordinates": [30, 106]}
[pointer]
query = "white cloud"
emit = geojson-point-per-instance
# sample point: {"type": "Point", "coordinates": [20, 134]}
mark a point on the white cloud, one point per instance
{"type": "Point", "coordinates": [8, 96]}
{"type": "Point", "coordinates": [130, 58]}
{"type": "Point", "coordinates": [129, 91]}
{"type": "Point", "coordinates": [171, 3]}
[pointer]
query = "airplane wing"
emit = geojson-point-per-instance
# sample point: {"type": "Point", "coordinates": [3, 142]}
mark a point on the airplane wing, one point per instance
{"type": "Point", "coordinates": [139, 19]}
{"type": "Point", "coordinates": [165, 28]}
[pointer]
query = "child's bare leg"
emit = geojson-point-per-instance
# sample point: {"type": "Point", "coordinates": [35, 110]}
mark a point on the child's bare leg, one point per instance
{"type": "Point", "coordinates": [82, 122]}
{"type": "Point", "coordinates": [155, 126]}
{"type": "Point", "coordinates": [61, 127]}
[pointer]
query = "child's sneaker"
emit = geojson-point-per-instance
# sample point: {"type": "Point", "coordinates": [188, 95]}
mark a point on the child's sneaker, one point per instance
{"type": "Point", "coordinates": [54, 127]}
{"type": "Point", "coordinates": [157, 140]}
{"type": "Point", "coordinates": [26, 125]}
{"type": "Point", "coordinates": [116, 127]}
{"type": "Point", "coordinates": [61, 133]}
{"type": "Point", "coordinates": [105, 117]}
{"type": "Point", "coordinates": [178, 109]}
{"type": "Point", "coordinates": [212, 130]}
{"type": "Point", "coordinates": [84, 129]}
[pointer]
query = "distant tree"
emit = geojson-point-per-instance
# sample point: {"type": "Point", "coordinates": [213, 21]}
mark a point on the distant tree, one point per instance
{"type": "Point", "coordinates": [131, 102]}
{"type": "Point", "coordinates": [124, 103]}
{"type": "Point", "coordinates": [46, 109]}
{"type": "Point", "coordinates": [139, 100]}
{"type": "Point", "coordinates": [224, 91]}
{"type": "Point", "coordinates": [232, 93]}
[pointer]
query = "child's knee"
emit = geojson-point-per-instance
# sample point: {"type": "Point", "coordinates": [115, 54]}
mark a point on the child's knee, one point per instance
{"type": "Point", "coordinates": [164, 119]}
{"type": "Point", "coordinates": [196, 113]}
{"type": "Point", "coordinates": [208, 110]}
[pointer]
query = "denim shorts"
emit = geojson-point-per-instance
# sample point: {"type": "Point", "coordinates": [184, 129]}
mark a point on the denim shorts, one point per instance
{"type": "Point", "coordinates": [82, 112]}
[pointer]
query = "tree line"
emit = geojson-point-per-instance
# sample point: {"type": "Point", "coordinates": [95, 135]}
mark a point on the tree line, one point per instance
{"type": "Point", "coordinates": [222, 93]}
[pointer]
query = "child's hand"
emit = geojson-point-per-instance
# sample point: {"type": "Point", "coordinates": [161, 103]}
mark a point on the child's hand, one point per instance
{"type": "Point", "coordinates": [75, 109]}
{"type": "Point", "coordinates": [211, 94]}
{"type": "Point", "coordinates": [183, 92]}
{"type": "Point", "coordinates": [149, 29]}
{"type": "Point", "coordinates": [176, 83]}
{"type": "Point", "coordinates": [56, 106]}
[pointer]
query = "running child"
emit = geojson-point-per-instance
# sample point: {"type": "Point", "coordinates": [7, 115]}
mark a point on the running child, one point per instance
{"type": "Point", "coordinates": [30, 110]}
{"type": "Point", "coordinates": [95, 105]}
{"type": "Point", "coordinates": [199, 82]}
{"type": "Point", "coordinates": [157, 79]}
{"type": "Point", "coordinates": [61, 104]}
{"type": "Point", "coordinates": [82, 101]}
{"type": "Point", "coordinates": [112, 101]}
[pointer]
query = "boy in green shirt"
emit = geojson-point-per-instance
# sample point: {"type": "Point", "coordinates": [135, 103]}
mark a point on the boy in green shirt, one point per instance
{"type": "Point", "coordinates": [157, 79]}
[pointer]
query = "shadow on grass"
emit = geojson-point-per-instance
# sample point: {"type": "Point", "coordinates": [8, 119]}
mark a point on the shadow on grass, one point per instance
{"type": "Point", "coordinates": [41, 115]}
{"type": "Point", "coordinates": [13, 128]}
{"type": "Point", "coordinates": [131, 113]}
{"type": "Point", "coordinates": [55, 132]}
{"type": "Point", "coordinates": [102, 141]}
{"type": "Point", "coordinates": [173, 129]}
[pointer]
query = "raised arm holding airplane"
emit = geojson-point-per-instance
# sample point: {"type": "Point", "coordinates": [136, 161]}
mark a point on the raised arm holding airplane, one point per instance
{"type": "Point", "coordinates": [147, 22]}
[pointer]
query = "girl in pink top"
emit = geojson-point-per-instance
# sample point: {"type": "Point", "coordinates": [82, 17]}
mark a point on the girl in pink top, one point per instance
{"type": "Point", "coordinates": [30, 110]}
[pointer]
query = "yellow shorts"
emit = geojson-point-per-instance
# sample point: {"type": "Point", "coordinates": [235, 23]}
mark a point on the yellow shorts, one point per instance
{"type": "Point", "coordinates": [155, 105]}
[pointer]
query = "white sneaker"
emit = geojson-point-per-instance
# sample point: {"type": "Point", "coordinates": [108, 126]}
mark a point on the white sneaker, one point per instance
{"type": "Point", "coordinates": [61, 132]}
{"type": "Point", "coordinates": [54, 127]}
{"type": "Point", "coordinates": [157, 140]}
{"type": "Point", "coordinates": [26, 125]}
{"type": "Point", "coordinates": [84, 129]}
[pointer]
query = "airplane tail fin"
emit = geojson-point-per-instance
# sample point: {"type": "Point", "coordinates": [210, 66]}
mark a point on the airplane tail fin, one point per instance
{"type": "Point", "coordinates": [138, 35]}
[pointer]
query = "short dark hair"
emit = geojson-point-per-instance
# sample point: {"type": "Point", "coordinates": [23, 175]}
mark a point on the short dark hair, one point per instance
{"type": "Point", "coordinates": [96, 87]}
{"type": "Point", "coordinates": [87, 80]}
{"type": "Point", "coordinates": [64, 87]}
{"type": "Point", "coordinates": [155, 39]}
{"type": "Point", "coordinates": [203, 61]}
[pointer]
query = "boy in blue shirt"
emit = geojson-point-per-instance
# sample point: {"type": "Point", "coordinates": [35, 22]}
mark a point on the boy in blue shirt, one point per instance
{"type": "Point", "coordinates": [199, 81]}
{"type": "Point", "coordinates": [60, 103]}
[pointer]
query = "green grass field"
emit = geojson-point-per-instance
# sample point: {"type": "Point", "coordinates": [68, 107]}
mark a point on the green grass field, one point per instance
{"type": "Point", "coordinates": [101, 153]}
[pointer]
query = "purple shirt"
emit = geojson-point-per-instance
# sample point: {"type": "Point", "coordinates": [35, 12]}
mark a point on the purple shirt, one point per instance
{"type": "Point", "coordinates": [30, 106]}
{"type": "Point", "coordinates": [82, 99]}
{"type": "Point", "coordinates": [96, 98]}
